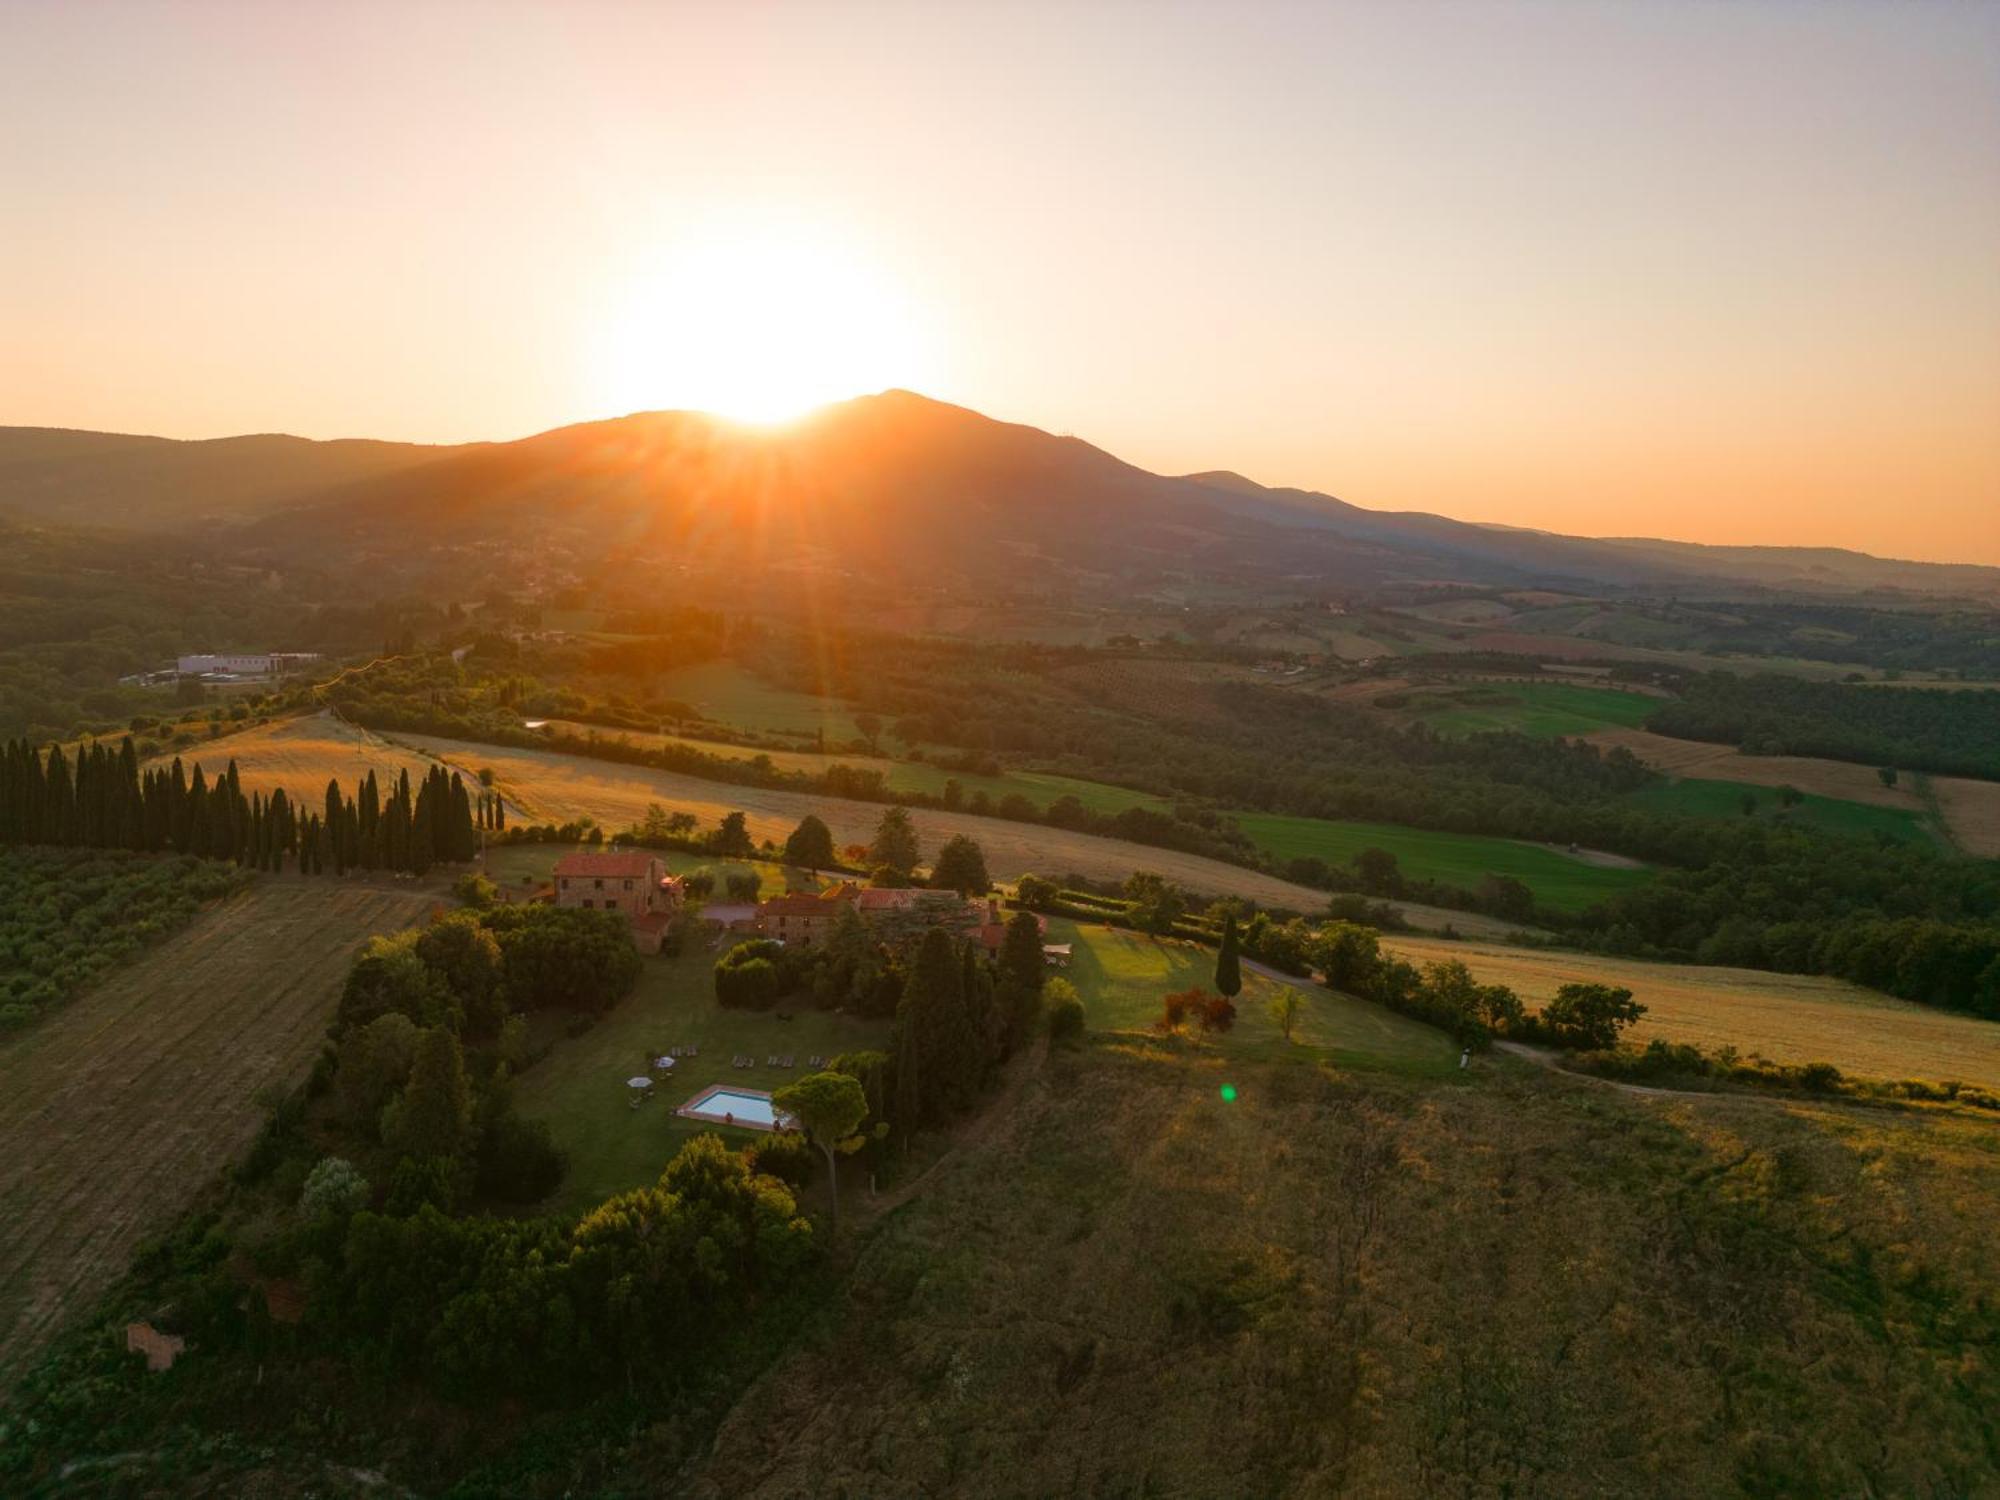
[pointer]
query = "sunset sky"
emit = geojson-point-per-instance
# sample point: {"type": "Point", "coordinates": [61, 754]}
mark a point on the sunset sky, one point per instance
{"type": "Point", "coordinates": [1723, 272]}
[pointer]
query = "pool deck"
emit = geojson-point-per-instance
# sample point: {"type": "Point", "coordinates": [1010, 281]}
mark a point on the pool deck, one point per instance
{"type": "Point", "coordinates": [698, 1108]}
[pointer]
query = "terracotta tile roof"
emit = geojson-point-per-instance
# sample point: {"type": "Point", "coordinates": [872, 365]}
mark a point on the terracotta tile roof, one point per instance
{"type": "Point", "coordinates": [614, 865]}
{"type": "Point", "coordinates": [796, 905]}
{"type": "Point", "coordinates": [651, 921]}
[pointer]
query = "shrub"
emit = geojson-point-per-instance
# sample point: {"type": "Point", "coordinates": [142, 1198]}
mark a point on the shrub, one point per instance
{"type": "Point", "coordinates": [519, 1160]}
{"type": "Point", "coordinates": [335, 1187]}
{"type": "Point", "coordinates": [421, 1181]}
{"type": "Point", "coordinates": [1065, 1009]}
{"type": "Point", "coordinates": [749, 976]}
{"type": "Point", "coordinates": [475, 890]}
{"type": "Point", "coordinates": [1217, 1013]}
{"type": "Point", "coordinates": [1035, 893]}
{"type": "Point", "coordinates": [787, 1156]}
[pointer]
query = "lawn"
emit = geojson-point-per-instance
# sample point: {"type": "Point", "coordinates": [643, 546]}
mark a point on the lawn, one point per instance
{"type": "Point", "coordinates": [1542, 709]}
{"type": "Point", "coordinates": [580, 1086]}
{"type": "Point", "coordinates": [1701, 798]}
{"type": "Point", "coordinates": [1039, 787]}
{"type": "Point", "coordinates": [1122, 975]}
{"type": "Point", "coordinates": [1560, 881]}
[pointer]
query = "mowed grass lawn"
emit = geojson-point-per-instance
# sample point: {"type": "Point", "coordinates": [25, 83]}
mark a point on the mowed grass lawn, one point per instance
{"type": "Point", "coordinates": [1039, 787]}
{"type": "Point", "coordinates": [1700, 798]}
{"type": "Point", "coordinates": [1121, 977]}
{"type": "Point", "coordinates": [1542, 709]}
{"type": "Point", "coordinates": [580, 1087]}
{"type": "Point", "coordinates": [1560, 881]}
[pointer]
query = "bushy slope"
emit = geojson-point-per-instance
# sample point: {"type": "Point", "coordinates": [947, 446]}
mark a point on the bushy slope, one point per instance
{"type": "Point", "coordinates": [1342, 1287]}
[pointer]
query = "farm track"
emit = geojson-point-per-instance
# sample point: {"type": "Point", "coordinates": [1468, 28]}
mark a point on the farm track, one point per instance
{"type": "Point", "coordinates": [555, 787]}
{"type": "Point", "coordinates": [120, 1109]}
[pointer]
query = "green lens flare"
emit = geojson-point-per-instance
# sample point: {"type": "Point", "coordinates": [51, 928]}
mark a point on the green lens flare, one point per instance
{"type": "Point", "coordinates": [1229, 1093]}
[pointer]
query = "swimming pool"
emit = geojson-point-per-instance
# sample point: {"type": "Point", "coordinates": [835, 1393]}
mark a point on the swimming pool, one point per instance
{"type": "Point", "coordinates": [724, 1105]}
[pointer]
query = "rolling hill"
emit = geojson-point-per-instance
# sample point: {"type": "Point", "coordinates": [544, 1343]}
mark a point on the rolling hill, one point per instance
{"type": "Point", "coordinates": [893, 486]}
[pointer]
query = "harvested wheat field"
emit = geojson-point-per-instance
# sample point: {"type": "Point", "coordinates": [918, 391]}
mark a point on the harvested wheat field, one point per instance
{"type": "Point", "coordinates": [1791, 1018]}
{"type": "Point", "coordinates": [302, 754]}
{"type": "Point", "coordinates": [554, 788]}
{"type": "Point", "coordinates": [1971, 812]}
{"type": "Point", "coordinates": [118, 1110]}
{"type": "Point", "coordinates": [1822, 778]}
{"type": "Point", "coordinates": [1970, 809]}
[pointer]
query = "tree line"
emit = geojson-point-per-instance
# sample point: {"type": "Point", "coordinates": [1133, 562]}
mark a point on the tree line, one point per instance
{"type": "Point", "coordinates": [103, 799]}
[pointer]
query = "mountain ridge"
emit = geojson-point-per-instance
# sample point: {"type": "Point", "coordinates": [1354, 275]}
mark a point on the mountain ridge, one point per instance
{"type": "Point", "coordinates": [892, 482]}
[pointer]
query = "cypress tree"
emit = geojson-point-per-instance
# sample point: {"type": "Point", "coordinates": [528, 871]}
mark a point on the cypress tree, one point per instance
{"type": "Point", "coordinates": [1228, 960]}
{"type": "Point", "coordinates": [59, 806]}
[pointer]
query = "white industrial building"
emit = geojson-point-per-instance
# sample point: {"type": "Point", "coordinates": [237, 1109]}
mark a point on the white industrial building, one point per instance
{"type": "Point", "coordinates": [244, 664]}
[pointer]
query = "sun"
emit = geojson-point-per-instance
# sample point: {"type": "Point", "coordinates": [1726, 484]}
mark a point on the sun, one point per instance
{"type": "Point", "coordinates": [760, 322]}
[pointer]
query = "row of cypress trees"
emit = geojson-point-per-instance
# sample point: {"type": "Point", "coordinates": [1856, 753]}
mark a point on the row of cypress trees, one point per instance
{"type": "Point", "coordinates": [960, 1018]}
{"type": "Point", "coordinates": [104, 800]}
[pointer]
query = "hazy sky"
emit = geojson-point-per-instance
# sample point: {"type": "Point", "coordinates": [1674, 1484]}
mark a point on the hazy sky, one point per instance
{"type": "Point", "coordinates": [1721, 271]}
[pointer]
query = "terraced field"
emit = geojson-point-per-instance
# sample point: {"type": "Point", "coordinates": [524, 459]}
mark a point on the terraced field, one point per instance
{"type": "Point", "coordinates": [119, 1110]}
{"type": "Point", "coordinates": [1790, 1018]}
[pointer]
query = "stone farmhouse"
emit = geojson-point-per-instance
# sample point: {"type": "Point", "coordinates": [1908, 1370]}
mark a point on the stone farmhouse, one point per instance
{"type": "Point", "coordinates": [805, 919]}
{"type": "Point", "coordinates": [634, 882]}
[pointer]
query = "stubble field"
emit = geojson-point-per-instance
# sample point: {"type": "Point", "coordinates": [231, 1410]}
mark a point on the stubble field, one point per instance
{"type": "Point", "coordinates": [1789, 1018]}
{"type": "Point", "coordinates": [119, 1110]}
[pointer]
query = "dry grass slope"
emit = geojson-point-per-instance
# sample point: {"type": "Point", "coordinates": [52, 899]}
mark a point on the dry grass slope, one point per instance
{"type": "Point", "coordinates": [302, 754]}
{"type": "Point", "coordinates": [1336, 1286]}
{"type": "Point", "coordinates": [120, 1109]}
{"type": "Point", "coordinates": [1791, 1018]}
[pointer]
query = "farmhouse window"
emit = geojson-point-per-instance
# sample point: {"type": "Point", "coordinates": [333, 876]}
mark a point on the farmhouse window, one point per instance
{"type": "Point", "coordinates": [628, 885]}
{"type": "Point", "coordinates": [598, 884]}
{"type": "Point", "coordinates": [588, 902]}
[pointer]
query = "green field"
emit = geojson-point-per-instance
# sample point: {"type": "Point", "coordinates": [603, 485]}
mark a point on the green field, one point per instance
{"type": "Point", "coordinates": [1121, 976]}
{"type": "Point", "coordinates": [728, 694]}
{"type": "Point", "coordinates": [1560, 881]}
{"type": "Point", "coordinates": [1542, 709]}
{"type": "Point", "coordinates": [1697, 797]}
{"type": "Point", "coordinates": [1039, 787]}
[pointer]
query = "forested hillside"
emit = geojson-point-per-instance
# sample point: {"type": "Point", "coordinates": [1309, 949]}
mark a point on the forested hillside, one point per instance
{"type": "Point", "coordinates": [1953, 732]}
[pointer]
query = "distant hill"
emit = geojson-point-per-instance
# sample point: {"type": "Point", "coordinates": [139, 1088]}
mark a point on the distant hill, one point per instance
{"type": "Point", "coordinates": [110, 479]}
{"type": "Point", "coordinates": [894, 486]}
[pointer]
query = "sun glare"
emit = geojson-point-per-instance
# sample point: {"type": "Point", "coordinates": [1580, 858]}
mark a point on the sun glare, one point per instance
{"type": "Point", "coordinates": [759, 323]}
